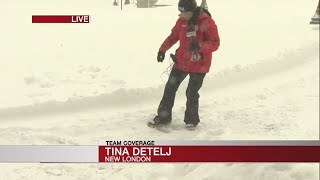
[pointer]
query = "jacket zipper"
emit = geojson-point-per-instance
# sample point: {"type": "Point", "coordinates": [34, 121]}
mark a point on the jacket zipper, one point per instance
{"type": "Point", "coordinates": [186, 55]}
{"type": "Point", "coordinates": [201, 59]}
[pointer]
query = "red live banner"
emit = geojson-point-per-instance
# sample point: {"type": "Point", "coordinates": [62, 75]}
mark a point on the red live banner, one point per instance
{"type": "Point", "coordinates": [209, 154]}
{"type": "Point", "coordinates": [60, 19]}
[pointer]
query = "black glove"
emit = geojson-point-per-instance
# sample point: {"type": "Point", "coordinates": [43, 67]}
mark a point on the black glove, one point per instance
{"type": "Point", "coordinates": [173, 57]}
{"type": "Point", "coordinates": [194, 46]}
{"type": "Point", "coordinates": [161, 56]}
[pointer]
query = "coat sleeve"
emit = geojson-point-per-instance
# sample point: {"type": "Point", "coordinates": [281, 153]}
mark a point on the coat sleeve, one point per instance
{"type": "Point", "coordinates": [171, 39]}
{"type": "Point", "coordinates": [212, 40]}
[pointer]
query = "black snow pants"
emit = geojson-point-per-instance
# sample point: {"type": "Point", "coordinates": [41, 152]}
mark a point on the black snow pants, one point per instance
{"type": "Point", "coordinates": [192, 106]}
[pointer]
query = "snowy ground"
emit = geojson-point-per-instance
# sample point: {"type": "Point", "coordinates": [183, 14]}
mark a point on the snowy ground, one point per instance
{"type": "Point", "coordinates": [75, 84]}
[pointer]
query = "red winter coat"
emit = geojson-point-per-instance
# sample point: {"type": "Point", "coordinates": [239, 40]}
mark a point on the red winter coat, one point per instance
{"type": "Point", "coordinates": [206, 35]}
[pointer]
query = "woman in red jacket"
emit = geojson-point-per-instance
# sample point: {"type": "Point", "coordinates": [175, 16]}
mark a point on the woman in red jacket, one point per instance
{"type": "Point", "coordinates": [198, 36]}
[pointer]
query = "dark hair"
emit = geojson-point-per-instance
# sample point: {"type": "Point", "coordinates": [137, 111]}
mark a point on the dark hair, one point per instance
{"type": "Point", "coordinates": [187, 5]}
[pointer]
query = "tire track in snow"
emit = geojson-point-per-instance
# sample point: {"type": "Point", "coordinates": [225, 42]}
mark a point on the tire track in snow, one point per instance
{"type": "Point", "coordinates": [128, 98]}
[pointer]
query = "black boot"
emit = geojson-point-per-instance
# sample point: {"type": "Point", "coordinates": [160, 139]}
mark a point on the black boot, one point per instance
{"type": "Point", "coordinates": [157, 121]}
